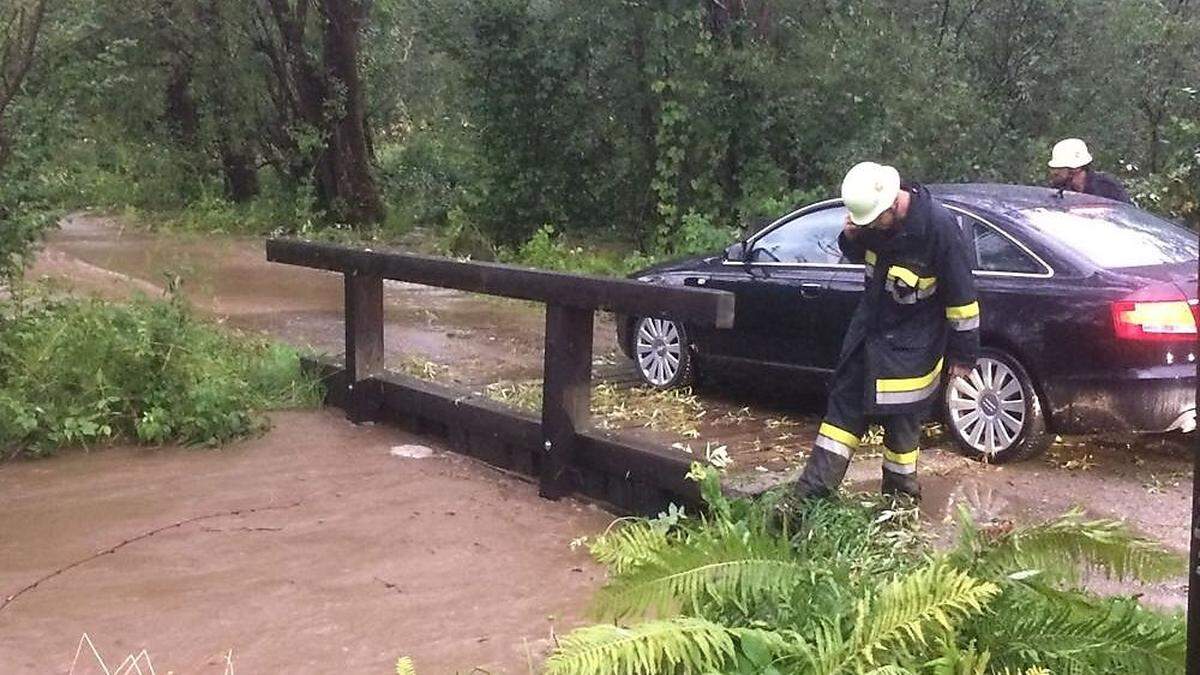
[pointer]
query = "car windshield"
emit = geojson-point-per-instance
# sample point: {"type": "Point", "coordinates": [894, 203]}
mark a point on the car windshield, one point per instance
{"type": "Point", "coordinates": [1118, 235]}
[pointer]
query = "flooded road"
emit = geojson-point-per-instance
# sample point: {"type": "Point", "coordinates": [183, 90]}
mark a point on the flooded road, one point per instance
{"type": "Point", "coordinates": [229, 277]}
{"type": "Point", "coordinates": [474, 340]}
{"type": "Point", "coordinates": [314, 548]}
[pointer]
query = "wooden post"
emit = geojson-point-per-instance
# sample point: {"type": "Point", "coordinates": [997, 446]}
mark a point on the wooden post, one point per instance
{"type": "Point", "coordinates": [566, 394]}
{"type": "Point", "coordinates": [1193, 612]}
{"type": "Point", "coordinates": [364, 342]}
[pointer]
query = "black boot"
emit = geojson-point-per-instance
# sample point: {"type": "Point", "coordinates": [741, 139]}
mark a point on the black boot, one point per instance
{"type": "Point", "coordinates": [895, 484]}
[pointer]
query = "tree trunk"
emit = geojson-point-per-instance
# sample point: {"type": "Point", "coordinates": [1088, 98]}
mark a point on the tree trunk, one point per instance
{"type": "Point", "coordinates": [238, 153]}
{"type": "Point", "coordinates": [181, 110]}
{"type": "Point", "coordinates": [344, 166]}
{"type": "Point", "coordinates": [22, 24]}
{"type": "Point", "coordinates": [3, 143]}
{"type": "Point", "coordinates": [241, 173]}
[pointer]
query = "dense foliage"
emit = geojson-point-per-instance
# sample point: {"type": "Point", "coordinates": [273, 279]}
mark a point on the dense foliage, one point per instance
{"type": "Point", "coordinates": [82, 372]}
{"type": "Point", "coordinates": [853, 587]}
{"type": "Point", "coordinates": [664, 125]}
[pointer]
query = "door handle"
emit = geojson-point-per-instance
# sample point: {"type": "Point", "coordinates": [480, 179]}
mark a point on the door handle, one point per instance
{"type": "Point", "coordinates": [810, 290]}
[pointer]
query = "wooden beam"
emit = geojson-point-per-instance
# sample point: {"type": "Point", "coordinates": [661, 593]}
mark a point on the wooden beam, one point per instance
{"type": "Point", "coordinates": [701, 307]}
{"type": "Point", "coordinates": [566, 394]}
{"type": "Point", "coordinates": [602, 457]}
{"type": "Point", "coordinates": [405, 396]}
{"type": "Point", "coordinates": [364, 341]}
{"type": "Point", "coordinates": [607, 453]}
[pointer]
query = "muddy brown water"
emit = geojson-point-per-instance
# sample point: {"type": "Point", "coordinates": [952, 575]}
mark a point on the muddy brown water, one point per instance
{"type": "Point", "coordinates": [371, 566]}
{"type": "Point", "coordinates": [310, 550]}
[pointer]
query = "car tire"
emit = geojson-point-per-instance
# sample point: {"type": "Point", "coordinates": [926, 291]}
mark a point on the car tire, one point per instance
{"type": "Point", "coordinates": [662, 353]}
{"type": "Point", "coordinates": [995, 415]}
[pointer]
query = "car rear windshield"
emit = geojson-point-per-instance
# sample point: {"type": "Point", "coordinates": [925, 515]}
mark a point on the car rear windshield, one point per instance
{"type": "Point", "coordinates": [1117, 236]}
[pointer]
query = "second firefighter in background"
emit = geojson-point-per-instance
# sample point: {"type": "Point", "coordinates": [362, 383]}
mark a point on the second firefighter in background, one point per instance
{"type": "Point", "coordinates": [918, 316]}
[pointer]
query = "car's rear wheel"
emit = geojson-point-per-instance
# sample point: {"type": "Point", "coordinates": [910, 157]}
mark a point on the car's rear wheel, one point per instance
{"type": "Point", "coordinates": [662, 353]}
{"type": "Point", "coordinates": [995, 414]}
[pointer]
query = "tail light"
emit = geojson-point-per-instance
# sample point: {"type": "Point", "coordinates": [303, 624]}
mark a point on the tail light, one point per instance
{"type": "Point", "coordinates": [1156, 313]}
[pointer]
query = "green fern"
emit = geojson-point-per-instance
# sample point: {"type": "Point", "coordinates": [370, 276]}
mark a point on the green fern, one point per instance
{"type": "Point", "coordinates": [741, 567]}
{"type": "Point", "coordinates": [901, 621]}
{"type": "Point", "coordinates": [630, 545]}
{"type": "Point", "coordinates": [749, 601]}
{"type": "Point", "coordinates": [1064, 548]}
{"type": "Point", "coordinates": [957, 661]}
{"type": "Point", "coordinates": [404, 666]}
{"type": "Point", "coordinates": [1072, 633]}
{"type": "Point", "coordinates": [687, 645]}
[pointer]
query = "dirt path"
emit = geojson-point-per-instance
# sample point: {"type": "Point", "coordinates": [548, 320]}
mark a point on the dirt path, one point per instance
{"type": "Point", "coordinates": [311, 547]}
{"type": "Point", "coordinates": [476, 340]}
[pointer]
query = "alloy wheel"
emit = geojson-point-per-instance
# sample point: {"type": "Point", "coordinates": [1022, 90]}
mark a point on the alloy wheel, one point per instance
{"type": "Point", "coordinates": [658, 347]}
{"type": "Point", "coordinates": [988, 407]}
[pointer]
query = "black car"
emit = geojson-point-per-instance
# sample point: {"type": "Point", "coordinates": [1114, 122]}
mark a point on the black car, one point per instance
{"type": "Point", "coordinates": [1089, 314]}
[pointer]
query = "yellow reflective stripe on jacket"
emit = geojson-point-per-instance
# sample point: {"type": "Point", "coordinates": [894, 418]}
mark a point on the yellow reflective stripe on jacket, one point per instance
{"type": "Point", "coordinates": [910, 277]}
{"type": "Point", "coordinates": [909, 457]}
{"type": "Point", "coordinates": [870, 257]}
{"type": "Point", "coordinates": [960, 312]}
{"type": "Point", "coordinates": [904, 274]}
{"type": "Point", "coordinates": [909, 383]}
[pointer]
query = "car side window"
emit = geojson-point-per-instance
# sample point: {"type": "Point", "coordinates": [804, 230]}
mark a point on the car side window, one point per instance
{"type": "Point", "coordinates": [994, 252]}
{"type": "Point", "coordinates": [810, 238]}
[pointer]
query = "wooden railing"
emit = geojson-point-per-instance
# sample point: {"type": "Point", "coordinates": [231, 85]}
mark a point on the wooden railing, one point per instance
{"type": "Point", "coordinates": [560, 447]}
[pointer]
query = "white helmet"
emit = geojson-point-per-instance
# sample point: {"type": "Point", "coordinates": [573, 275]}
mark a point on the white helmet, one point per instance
{"type": "Point", "coordinates": [1070, 153]}
{"type": "Point", "coordinates": [868, 190]}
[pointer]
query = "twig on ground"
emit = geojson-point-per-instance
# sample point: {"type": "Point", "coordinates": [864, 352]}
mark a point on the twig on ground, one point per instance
{"type": "Point", "coordinates": [8, 600]}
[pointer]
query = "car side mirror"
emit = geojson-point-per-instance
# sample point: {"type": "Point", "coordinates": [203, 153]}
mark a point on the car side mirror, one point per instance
{"type": "Point", "coordinates": [736, 252]}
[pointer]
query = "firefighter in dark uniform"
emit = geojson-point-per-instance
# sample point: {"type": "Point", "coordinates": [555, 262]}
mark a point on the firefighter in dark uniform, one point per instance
{"type": "Point", "coordinates": [917, 320]}
{"type": "Point", "coordinates": [1071, 169]}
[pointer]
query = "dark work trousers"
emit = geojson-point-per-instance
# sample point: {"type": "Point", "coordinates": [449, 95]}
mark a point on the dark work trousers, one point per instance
{"type": "Point", "coordinates": [844, 424]}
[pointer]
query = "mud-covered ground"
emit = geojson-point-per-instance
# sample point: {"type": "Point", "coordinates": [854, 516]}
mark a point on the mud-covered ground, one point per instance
{"type": "Point", "coordinates": [457, 338]}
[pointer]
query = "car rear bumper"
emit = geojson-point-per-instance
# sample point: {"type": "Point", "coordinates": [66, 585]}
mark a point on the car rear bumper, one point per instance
{"type": "Point", "coordinates": [1146, 399]}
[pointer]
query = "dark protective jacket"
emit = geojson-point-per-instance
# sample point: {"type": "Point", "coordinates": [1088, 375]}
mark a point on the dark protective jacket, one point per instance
{"type": "Point", "coordinates": [919, 308]}
{"type": "Point", "coordinates": [1103, 185]}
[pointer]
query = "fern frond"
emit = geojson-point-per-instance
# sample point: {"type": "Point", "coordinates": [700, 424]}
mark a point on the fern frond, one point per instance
{"type": "Point", "coordinates": [929, 601]}
{"type": "Point", "coordinates": [673, 645]}
{"type": "Point", "coordinates": [740, 567]}
{"type": "Point", "coordinates": [891, 670]}
{"type": "Point", "coordinates": [956, 661]}
{"type": "Point", "coordinates": [404, 666]}
{"type": "Point", "coordinates": [1070, 633]}
{"type": "Point", "coordinates": [632, 544]}
{"type": "Point", "coordinates": [901, 621]}
{"type": "Point", "coordinates": [1064, 548]}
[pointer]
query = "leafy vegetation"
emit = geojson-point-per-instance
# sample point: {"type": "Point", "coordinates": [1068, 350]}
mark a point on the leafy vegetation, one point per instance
{"type": "Point", "coordinates": [853, 587]}
{"type": "Point", "coordinates": [82, 372]}
{"type": "Point", "coordinates": [532, 131]}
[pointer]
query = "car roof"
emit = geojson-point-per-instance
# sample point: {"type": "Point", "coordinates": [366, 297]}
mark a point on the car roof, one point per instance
{"type": "Point", "coordinates": [1008, 199]}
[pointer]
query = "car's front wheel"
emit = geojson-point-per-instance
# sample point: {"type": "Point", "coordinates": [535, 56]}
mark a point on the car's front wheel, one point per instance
{"type": "Point", "coordinates": [662, 353]}
{"type": "Point", "coordinates": [995, 414]}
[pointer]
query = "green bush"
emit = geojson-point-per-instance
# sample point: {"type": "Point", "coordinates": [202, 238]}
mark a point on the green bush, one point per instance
{"type": "Point", "coordinates": [548, 250]}
{"type": "Point", "coordinates": [78, 372]}
{"type": "Point", "coordinates": [423, 178]}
